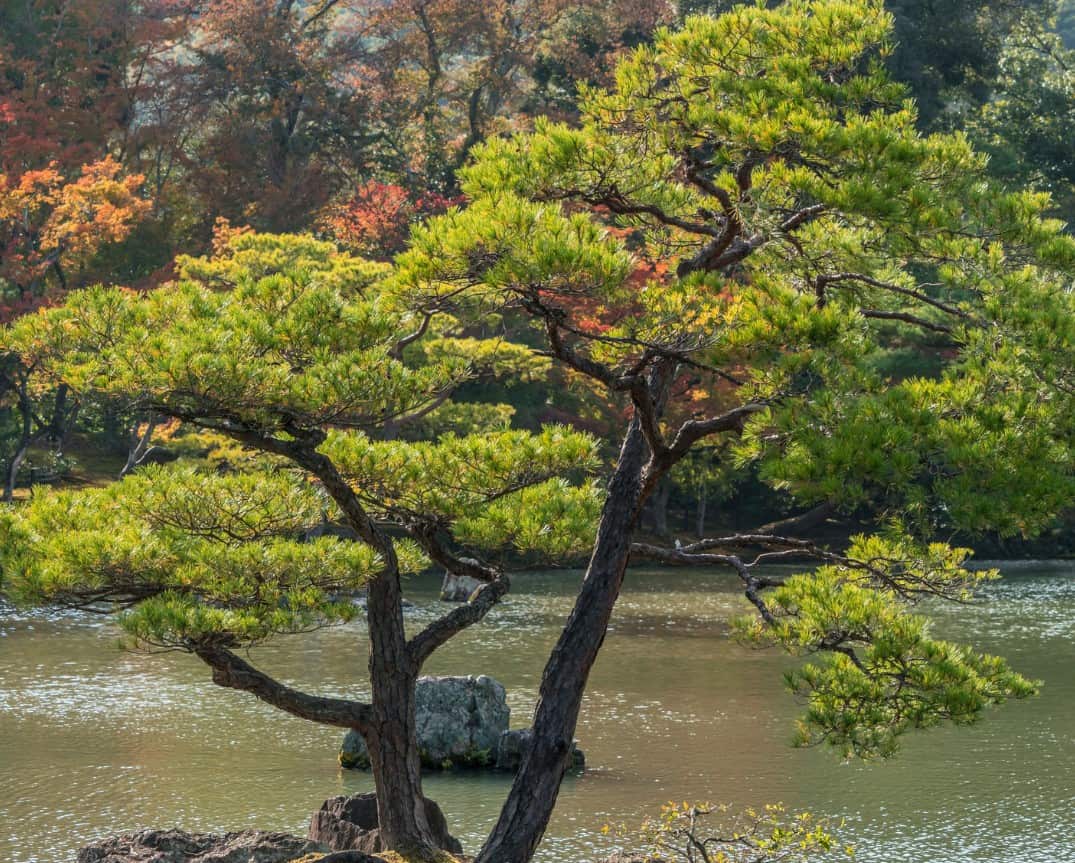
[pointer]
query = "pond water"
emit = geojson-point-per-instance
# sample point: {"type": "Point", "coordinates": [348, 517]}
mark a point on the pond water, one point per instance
{"type": "Point", "coordinates": [96, 741]}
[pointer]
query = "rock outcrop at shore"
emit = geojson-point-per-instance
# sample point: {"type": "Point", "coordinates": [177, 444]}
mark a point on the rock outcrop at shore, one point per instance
{"type": "Point", "coordinates": [343, 830]}
{"type": "Point", "coordinates": [350, 823]}
{"type": "Point", "coordinates": [178, 846]}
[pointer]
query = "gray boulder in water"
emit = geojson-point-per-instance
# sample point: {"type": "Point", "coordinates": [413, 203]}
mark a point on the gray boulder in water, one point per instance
{"type": "Point", "coordinates": [512, 747]}
{"type": "Point", "coordinates": [350, 823]}
{"type": "Point", "coordinates": [460, 720]}
{"type": "Point", "coordinates": [458, 588]}
{"type": "Point", "coordinates": [178, 846]}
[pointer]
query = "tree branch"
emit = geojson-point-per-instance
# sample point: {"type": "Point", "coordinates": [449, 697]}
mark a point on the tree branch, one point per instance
{"type": "Point", "coordinates": [444, 628]}
{"type": "Point", "coordinates": [801, 217]}
{"type": "Point", "coordinates": [232, 672]}
{"type": "Point", "coordinates": [906, 318]}
{"type": "Point", "coordinates": [804, 521]}
{"type": "Point", "coordinates": [397, 348]}
{"type": "Point", "coordinates": [614, 200]}
{"type": "Point", "coordinates": [693, 431]}
{"type": "Point", "coordinates": [303, 452]}
{"type": "Point", "coordinates": [835, 278]}
{"type": "Point", "coordinates": [496, 586]}
{"type": "Point", "coordinates": [649, 418]}
{"type": "Point", "coordinates": [425, 533]}
{"type": "Point", "coordinates": [887, 573]}
{"type": "Point", "coordinates": [568, 355]}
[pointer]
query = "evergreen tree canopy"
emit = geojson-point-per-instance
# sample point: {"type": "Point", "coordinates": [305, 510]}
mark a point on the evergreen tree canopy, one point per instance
{"type": "Point", "coordinates": [799, 228]}
{"type": "Point", "coordinates": [285, 345]}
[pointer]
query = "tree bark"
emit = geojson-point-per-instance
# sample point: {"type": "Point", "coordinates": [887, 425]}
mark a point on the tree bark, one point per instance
{"type": "Point", "coordinates": [391, 734]}
{"type": "Point", "coordinates": [139, 446]}
{"type": "Point", "coordinates": [27, 438]}
{"type": "Point", "coordinates": [529, 805]}
{"type": "Point", "coordinates": [392, 739]}
{"type": "Point", "coordinates": [700, 514]}
{"type": "Point", "coordinates": [232, 672]}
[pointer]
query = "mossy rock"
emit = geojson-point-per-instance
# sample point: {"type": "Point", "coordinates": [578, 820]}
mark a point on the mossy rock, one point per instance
{"type": "Point", "coordinates": [439, 857]}
{"type": "Point", "coordinates": [459, 723]}
{"type": "Point", "coordinates": [351, 757]}
{"type": "Point", "coordinates": [389, 857]}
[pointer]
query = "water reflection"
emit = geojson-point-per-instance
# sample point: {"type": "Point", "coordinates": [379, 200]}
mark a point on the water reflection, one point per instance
{"type": "Point", "coordinates": [93, 740]}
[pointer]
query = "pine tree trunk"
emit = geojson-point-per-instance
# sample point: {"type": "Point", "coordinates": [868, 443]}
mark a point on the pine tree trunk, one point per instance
{"type": "Point", "coordinates": [530, 803]}
{"type": "Point", "coordinates": [14, 466]}
{"type": "Point", "coordinates": [391, 735]}
{"type": "Point", "coordinates": [393, 739]}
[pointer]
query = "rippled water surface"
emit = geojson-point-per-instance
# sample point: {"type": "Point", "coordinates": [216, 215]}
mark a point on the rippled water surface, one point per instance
{"type": "Point", "coordinates": [96, 741]}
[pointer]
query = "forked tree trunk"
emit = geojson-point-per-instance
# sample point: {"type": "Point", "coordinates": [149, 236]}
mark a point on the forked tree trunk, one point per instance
{"type": "Point", "coordinates": [529, 805]}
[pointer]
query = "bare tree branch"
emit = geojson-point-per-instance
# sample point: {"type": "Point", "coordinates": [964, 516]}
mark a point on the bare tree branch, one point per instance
{"type": "Point", "coordinates": [561, 350]}
{"type": "Point", "coordinates": [835, 278]}
{"type": "Point", "coordinates": [693, 431]}
{"type": "Point", "coordinates": [397, 348]}
{"type": "Point", "coordinates": [496, 586]}
{"type": "Point", "coordinates": [617, 203]}
{"type": "Point", "coordinates": [804, 521]}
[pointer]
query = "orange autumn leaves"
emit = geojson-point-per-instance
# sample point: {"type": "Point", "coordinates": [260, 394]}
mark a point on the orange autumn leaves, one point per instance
{"type": "Point", "coordinates": [49, 222]}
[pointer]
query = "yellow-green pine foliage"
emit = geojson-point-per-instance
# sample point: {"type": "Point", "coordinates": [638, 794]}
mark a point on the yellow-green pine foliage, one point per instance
{"type": "Point", "coordinates": [770, 834]}
{"type": "Point", "coordinates": [277, 329]}
{"type": "Point", "coordinates": [883, 672]}
{"type": "Point", "coordinates": [497, 491]}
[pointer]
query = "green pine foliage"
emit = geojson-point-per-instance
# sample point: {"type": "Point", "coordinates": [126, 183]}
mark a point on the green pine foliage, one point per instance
{"type": "Point", "coordinates": [799, 230]}
{"type": "Point", "coordinates": [753, 201]}
{"type": "Point", "coordinates": [885, 673]}
{"type": "Point", "coordinates": [195, 554]}
{"type": "Point", "coordinates": [271, 341]}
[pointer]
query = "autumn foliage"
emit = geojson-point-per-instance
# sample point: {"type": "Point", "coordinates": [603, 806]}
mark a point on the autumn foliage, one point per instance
{"type": "Point", "coordinates": [376, 220]}
{"type": "Point", "coordinates": [49, 224]}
